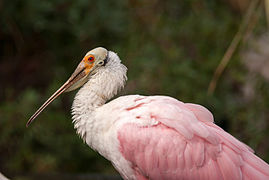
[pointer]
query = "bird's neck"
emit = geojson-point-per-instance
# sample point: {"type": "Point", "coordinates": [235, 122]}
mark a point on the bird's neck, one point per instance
{"type": "Point", "coordinates": [101, 87]}
{"type": "Point", "coordinates": [84, 105]}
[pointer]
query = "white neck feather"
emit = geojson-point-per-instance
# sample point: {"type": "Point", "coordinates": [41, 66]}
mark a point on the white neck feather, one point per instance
{"type": "Point", "coordinates": [101, 86]}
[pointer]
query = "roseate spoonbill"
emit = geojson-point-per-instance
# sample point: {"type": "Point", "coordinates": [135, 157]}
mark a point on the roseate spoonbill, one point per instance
{"type": "Point", "coordinates": [151, 137]}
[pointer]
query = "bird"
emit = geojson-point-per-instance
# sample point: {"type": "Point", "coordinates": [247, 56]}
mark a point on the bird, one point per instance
{"type": "Point", "coordinates": [2, 177]}
{"type": "Point", "coordinates": [151, 137]}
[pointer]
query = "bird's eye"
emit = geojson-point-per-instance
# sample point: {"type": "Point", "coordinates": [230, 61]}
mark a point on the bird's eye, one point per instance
{"type": "Point", "coordinates": [91, 58]}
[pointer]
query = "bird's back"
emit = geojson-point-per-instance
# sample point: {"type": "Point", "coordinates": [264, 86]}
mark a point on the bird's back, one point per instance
{"type": "Point", "coordinates": [163, 138]}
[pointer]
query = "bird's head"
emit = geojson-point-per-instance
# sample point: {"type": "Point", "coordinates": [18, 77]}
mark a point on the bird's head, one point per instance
{"type": "Point", "coordinates": [91, 62]}
{"type": "Point", "coordinates": [89, 65]}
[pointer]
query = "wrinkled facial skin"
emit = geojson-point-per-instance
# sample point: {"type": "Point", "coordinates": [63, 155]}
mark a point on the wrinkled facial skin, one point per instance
{"type": "Point", "coordinates": [88, 63]}
{"type": "Point", "coordinates": [94, 59]}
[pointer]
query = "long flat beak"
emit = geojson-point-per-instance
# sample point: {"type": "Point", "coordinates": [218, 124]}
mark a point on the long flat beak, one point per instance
{"type": "Point", "coordinates": [75, 77]}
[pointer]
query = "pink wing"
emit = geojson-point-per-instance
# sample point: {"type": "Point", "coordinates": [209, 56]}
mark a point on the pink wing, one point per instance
{"type": "Point", "coordinates": [184, 144]}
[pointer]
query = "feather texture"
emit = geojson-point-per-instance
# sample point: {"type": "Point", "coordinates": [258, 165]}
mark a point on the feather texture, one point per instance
{"type": "Point", "coordinates": [185, 144]}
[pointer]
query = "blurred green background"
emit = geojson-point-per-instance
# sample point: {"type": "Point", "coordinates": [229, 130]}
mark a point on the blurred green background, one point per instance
{"type": "Point", "coordinates": [170, 47]}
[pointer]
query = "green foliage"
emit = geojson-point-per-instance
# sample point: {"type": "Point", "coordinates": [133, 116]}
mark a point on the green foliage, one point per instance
{"type": "Point", "coordinates": [170, 47]}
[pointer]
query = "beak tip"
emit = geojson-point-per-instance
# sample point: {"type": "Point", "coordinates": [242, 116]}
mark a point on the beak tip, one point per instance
{"type": "Point", "coordinates": [29, 122]}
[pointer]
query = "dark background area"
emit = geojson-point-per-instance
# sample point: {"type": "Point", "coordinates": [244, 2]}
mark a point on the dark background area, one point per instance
{"type": "Point", "coordinates": [170, 48]}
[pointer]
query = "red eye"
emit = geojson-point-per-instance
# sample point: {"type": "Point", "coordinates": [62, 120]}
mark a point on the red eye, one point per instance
{"type": "Point", "coordinates": [91, 58]}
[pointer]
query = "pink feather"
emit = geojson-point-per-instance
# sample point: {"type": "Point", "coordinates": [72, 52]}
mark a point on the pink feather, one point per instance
{"type": "Point", "coordinates": [184, 144]}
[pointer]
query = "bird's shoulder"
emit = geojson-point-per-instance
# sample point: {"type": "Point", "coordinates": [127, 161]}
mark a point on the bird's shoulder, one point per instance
{"type": "Point", "coordinates": [158, 104]}
{"type": "Point", "coordinates": [188, 119]}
